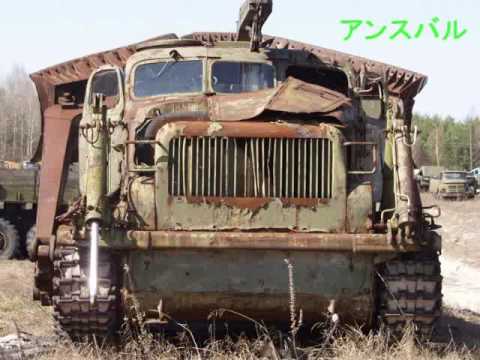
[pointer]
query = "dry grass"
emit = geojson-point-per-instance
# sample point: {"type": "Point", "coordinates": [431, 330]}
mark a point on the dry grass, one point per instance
{"type": "Point", "coordinates": [459, 329]}
{"type": "Point", "coordinates": [459, 336]}
{"type": "Point", "coordinates": [17, 309]}
{"type": "Point", "coordinates": [352, 345]}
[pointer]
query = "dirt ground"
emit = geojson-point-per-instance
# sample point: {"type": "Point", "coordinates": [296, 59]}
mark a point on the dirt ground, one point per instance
{"type": "Point", "coordinates": [460, 258]}
{"type": "Point", "coordinates": [460, 267]}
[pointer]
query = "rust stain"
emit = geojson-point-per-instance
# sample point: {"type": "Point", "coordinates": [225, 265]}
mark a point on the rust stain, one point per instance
{"type": "Point", "coordinates": [264, 240]}
{"type": "Point", "coordinates": [256, 130]}
{"type": "Point", "coordinates": [238, 202]}
{"type": "Point", "coordinates": [58, 122]}
{"type": "Point", "coordinates": [303, 202]}
{"type": "Point", "coordinates": [265, 307]}
{"type": "Point", "coordinates": [252, 203]}
{"type": "Point", "coordinates": [292, 96]}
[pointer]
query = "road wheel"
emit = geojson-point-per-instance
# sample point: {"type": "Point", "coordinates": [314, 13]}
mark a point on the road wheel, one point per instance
{"type": "Point", "coordinates": [30, 243]}
{"type": "Point", "coordinates": [9, 241]}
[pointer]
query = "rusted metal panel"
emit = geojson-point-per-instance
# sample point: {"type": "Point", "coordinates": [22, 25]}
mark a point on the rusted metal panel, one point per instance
{"type": "Point", "coordinates": [292, 96]}
{"type": "Point", "coordinates": [399, 81]}
{"type": "Point", "coordinates": [254, 203]}
{"type": "Point", "coordinates": [238, 240]}
{"type": "Point", "coordinates": [261, 240]}
{"type": "Point", "coordinates": [57, 125]}
{"type": "Point", "coordinates": [192, 283]}
{"type": "Point", "coordinates": [80, 69]}
{"type": "Point", "coordinates": [274, 308]}
{"type": "Point", "coordinates": [251, 129]}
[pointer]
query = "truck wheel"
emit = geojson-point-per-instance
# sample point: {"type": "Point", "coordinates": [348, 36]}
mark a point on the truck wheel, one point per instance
{"type": "Point", "coordinates": [9, 241]}
{"type": "Point", "coordinates": [409, 291]}
{"type": "Point", "coordinates": [30, 242]}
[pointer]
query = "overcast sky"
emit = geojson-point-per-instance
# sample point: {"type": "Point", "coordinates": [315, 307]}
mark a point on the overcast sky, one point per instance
{"type": "Point", "coordinates": [37, 34]}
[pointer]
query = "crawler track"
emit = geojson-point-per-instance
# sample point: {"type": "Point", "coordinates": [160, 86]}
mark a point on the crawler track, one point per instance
{"type": "Point", "coordinates": [410, 290]}
{"type": "Point", "coordinates": [74, 314]}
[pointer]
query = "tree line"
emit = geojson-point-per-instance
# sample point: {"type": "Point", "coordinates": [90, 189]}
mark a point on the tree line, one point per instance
{"type": "Point", "coordinates": [447, 142]}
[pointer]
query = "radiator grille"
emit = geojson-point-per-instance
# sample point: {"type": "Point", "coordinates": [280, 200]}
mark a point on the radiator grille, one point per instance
{"type": "Point", "coordinates": [252, 167]}
{"type": "Point", "coordinates": [456, 188]}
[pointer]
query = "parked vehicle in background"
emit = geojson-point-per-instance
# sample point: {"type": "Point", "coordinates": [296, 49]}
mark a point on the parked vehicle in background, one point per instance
{"type": "Point", "coordinates": [18, 205]}
{"type": "Point", "coordinates": [472, 185]}
{"type": "Point", "coordinates": [452, 185]}
{"type": "Point", "coordinates": [476, 174]}
{"type": "Point", "coordinates": [426, 173]}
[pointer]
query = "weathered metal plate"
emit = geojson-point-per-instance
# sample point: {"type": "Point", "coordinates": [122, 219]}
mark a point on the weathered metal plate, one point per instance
{"type": "Point", "coordinates": [192, 284]}
{"type": "Point", "coordinates": [292, 96]}
{"type": "Point", "coordinates": [58, 123]}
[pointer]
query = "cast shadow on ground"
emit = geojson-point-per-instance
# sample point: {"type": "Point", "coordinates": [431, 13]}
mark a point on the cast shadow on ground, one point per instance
{"type": "Point", "coordinates": [460, 328]}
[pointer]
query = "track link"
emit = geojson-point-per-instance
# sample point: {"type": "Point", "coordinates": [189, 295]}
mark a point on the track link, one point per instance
{"type": "Point", "coordinates": [410, 290]}
{"type": "Point", "coordinates": [74, 314]}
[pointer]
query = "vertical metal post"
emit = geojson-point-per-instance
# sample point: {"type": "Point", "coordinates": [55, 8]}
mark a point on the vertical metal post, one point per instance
{"type": "Point", "coordinates": [96, 133]}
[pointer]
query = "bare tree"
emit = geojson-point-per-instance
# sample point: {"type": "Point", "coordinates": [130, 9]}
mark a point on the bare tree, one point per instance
{"type": "Point", "coordinates": [19, 116]}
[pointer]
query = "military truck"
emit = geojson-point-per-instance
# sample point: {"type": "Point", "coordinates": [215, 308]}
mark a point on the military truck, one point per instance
{"type": "Point", "coordinates": [18, 202]}
{"type": "Point", "coordinates": [208, 160]}
{"type": "Point", "coordinates": [452, 185]}
{"type": "Point", "coordinates": [426, 173]}
{"type": "Point", "coordinates": [472, 185]}
{"type": "Point", "coordinates": [475, 173]}
{"type": "Point", "coordinates": [18, 206]}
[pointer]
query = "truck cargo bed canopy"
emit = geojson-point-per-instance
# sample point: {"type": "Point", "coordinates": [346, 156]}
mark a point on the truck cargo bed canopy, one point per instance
{"type": "Point", "coordinates": [398, 81]}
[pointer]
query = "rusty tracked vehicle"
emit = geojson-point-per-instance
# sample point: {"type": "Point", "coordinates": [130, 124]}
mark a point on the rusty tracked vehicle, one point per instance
{"type": "Point", "coordinates": [207, 160]}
